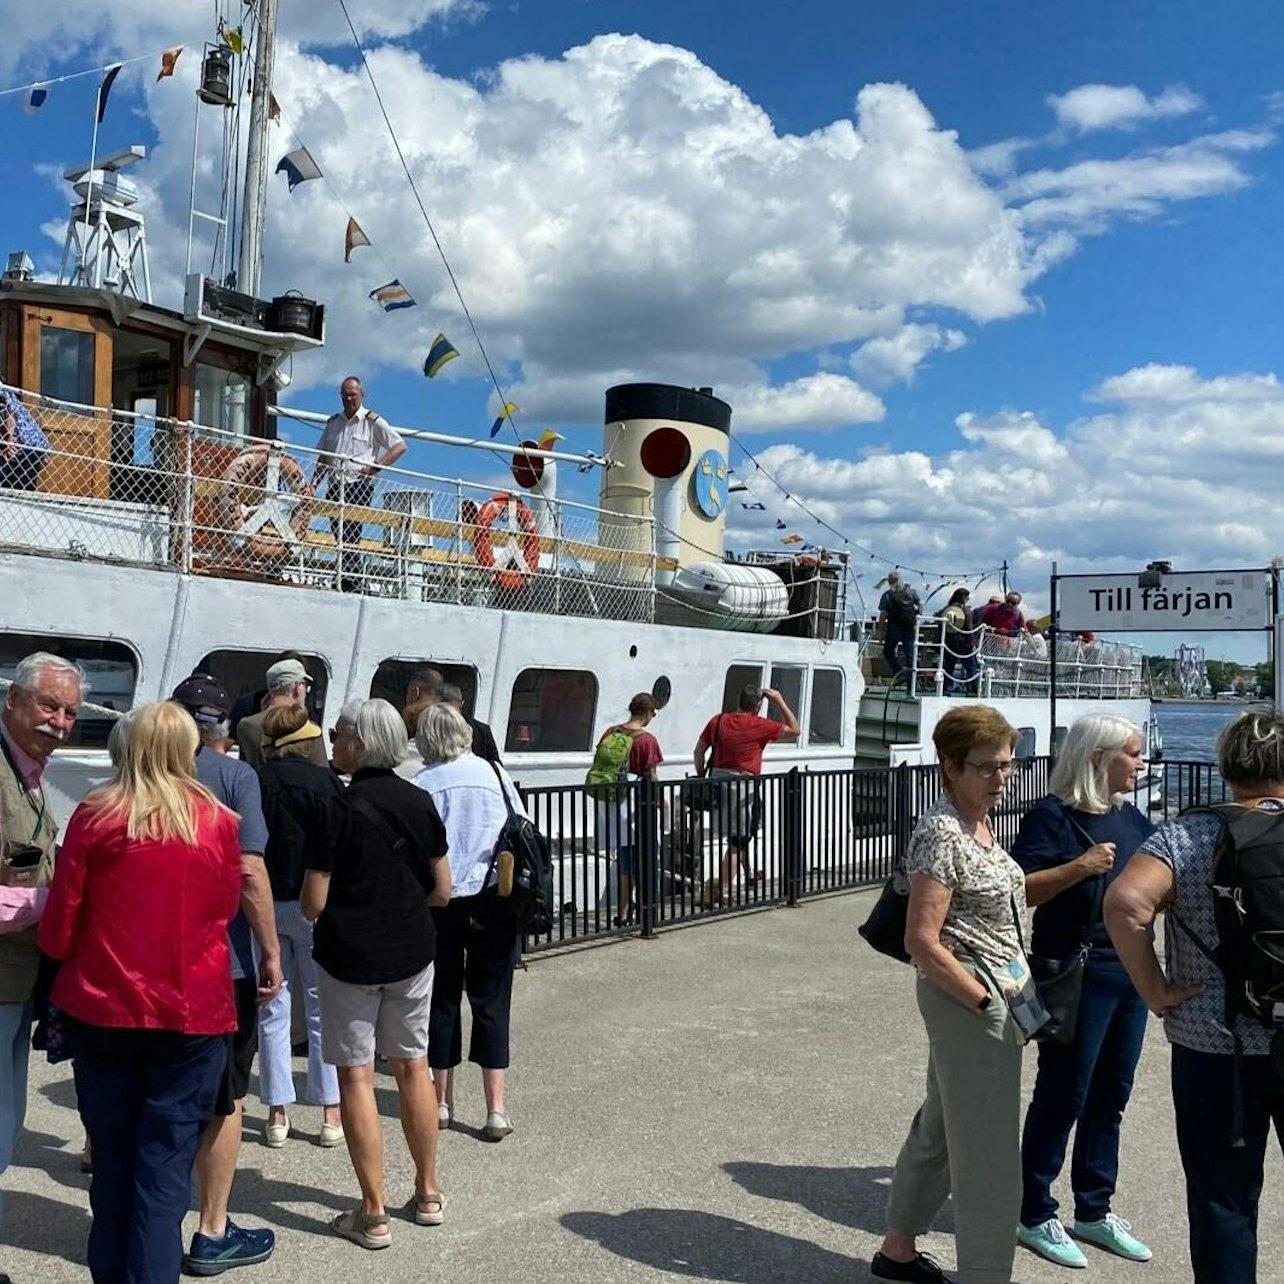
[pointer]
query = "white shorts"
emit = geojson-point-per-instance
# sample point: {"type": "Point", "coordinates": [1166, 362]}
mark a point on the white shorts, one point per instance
{"type": "Point", "coordinates": [359, 1020]}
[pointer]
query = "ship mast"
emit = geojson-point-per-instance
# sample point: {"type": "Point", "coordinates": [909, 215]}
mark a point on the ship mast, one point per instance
{"type": "Point", "coordinates": [254, 207]}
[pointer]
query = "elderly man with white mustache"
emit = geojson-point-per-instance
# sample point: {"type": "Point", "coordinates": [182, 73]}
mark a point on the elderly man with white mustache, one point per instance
{"type": "Point", "coordinates": [39, 712]}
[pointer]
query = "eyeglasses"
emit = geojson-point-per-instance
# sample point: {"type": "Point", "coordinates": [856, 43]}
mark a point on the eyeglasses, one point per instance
{"type": "Point", "coordinates": [988, 770]}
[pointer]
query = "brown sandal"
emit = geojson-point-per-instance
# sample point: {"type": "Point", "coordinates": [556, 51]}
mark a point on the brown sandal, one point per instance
{"type": "Point", "coordinates": [430, 1210]}
{"type": "Point", "coordinates": [356, 1226]}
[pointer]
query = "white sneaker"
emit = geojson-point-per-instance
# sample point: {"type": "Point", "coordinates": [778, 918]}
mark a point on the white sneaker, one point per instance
{"type": "Point", "coordinates": [498, 1125]}
{"type": "Point", "coordinates": [331, 1135]}
{"type": "Point", "coordinates": [445, 1113]}
{"type": "Point", "coordinates": [274, 1135]}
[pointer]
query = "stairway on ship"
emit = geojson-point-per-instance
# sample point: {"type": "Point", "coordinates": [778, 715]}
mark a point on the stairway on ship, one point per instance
{"type": "Point", "coordinates": [888, 715]}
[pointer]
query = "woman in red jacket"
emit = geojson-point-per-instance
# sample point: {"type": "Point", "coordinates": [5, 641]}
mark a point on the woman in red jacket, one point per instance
{"type": "Point", "coordinates": [146, 883]}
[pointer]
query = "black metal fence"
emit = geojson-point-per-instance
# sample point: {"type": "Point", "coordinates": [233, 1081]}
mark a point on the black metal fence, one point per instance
{"type": "Point", "coordinates": [676, 852]}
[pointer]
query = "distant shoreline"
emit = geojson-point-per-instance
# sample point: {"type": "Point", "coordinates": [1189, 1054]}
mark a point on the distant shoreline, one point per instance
{"type": "Point", "coordinates": [1246, 701]}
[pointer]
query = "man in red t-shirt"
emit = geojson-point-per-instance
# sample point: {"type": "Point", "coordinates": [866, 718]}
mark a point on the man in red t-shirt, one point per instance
{"type": "Point", "coordinates": [731, 745]}
{"type": "Point", "coordinates": [1005, 617]}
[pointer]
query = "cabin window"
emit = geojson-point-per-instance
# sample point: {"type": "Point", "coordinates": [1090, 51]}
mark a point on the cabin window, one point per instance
{"type": "Point", "coordinates": [825, 723]}
{"type": "Point", "coordinates": [111, 671]}
{"type": "Point", "coordinates": [222, 399]}
{"type": "Point", "coordinates": [739, 676]}
{"type": "Point", "coordinates": [552, 711]}
{"type": "Point", "coordinates": [1026, 742]}
{"type": "Point", "coordinates": [1059, 739]}
{"type": "Point", "coordinates": [393, 675]}
{"type": "Point", "coordinates": [243, 675]}
{"type": "Point", "coordinates": [67, 364]}
{"type": "Point", "coordinates": [788, 680]}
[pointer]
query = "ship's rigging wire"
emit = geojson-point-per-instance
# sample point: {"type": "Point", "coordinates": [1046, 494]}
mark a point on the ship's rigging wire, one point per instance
{"type": "Point", "coordinates": [432, 231]}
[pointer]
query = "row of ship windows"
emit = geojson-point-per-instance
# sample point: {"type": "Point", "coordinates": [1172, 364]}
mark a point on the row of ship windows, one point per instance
{"type": "Point", "coordinates": [551, 711]}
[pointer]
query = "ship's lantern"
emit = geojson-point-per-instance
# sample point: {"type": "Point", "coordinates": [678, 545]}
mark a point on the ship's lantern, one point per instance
{"type": "Point", "coordinates": [216, 77]}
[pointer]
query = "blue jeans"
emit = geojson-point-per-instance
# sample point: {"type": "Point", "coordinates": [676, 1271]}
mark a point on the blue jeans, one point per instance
{"type": "Point", "coordinates": [15, 1049]}
{"type": "Point", "coordinates": [1223, 1182]}
{"type": "Point", "coordinates": [1084, 1085]}
{"type": "Point", "coordinates": [968, 683]}
{"type": "Point", "coordinates": [145, 1097]}
{"type": "Point", "coordinates": [893, 637]}
{"type": "Point", "coordinates": [276, 1066]}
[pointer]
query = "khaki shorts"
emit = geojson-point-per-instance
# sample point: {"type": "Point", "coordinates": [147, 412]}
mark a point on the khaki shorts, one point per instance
{"type": "Point", "coordinates": [359, 1020]}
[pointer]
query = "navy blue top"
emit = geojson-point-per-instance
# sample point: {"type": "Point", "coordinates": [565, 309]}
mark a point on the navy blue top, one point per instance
{"type": "Point", "coordinates": [1048, 838]}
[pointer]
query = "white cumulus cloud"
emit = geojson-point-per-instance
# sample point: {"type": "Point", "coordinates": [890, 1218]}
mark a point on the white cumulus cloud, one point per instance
{"type": "Point", "coordinates": [1120, 106]}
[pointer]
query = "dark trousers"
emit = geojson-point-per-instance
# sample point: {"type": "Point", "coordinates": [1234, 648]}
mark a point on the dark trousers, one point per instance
{"type": "Point", "coordinates": [145, 1097]}
{"type": "Point", "coordinates": [894, 636]}
{"type": "Point", "coordinates": [1084, 1085]}
{"type": "Point", "coordinates": [358, 491]}
{"type": "Point", "coordinates": [477, 958]}
{"type": "Point", "coordinates": [971, 667]}
{"type": "Point", "coordinates": [1223, 1182]}
{"type": "Point", "coordinates": [22, 472]}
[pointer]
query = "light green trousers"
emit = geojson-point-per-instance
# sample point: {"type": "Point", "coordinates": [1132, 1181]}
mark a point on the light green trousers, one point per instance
{"type": "Point", "coordinates": [965, 1140]}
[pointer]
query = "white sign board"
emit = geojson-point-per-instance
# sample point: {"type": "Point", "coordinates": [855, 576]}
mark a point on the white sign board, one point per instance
{"type": "Point", "coordinates": [1201, 600]}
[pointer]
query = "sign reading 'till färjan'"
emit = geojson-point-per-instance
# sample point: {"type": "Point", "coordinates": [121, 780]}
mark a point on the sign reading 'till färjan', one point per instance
{"type": "Point", "coordinates": [1200, 600]}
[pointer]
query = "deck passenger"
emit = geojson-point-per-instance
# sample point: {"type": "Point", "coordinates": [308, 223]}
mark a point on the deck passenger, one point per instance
{"type": "Point", "coordinates": [370, 892]}
{"type": "Point", "coordinates": [964, 933]}
{"type": "Point", "coordinates": [218, 1241]}
{"type": "Point", "coordinates": [24, 448]}
{"type": "Point", "coordinates": [427, 686]}
{"type": "Point", "coordinates": [148, 880]}
{"type": "Point", "coordinates": [355, 444]}
{"type": "Point", "coordinates": [476, 950]}
{"type": "Point", "coordinates": [1217, 1093]}
{"type": "Point", "coordinates": [298, 805]}
{"type": "Point", "coordinates": [959, 645]}
{"type": "Point", "coordinates": [39, 714]}
{"type": "Point", "coordinates": [1005, 618]}
{"type": "Point", "coordinates": [898, 612]}
{"type": "Point", "coordinates": [1072, 844]}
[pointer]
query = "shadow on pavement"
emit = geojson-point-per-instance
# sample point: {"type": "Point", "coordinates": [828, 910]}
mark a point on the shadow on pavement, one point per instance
{"type": "Point", "coordinates": [706, 1246]}
{"type": "Point", "coordinates": [39, 1224]}
{"type": "Point", "coordinates": [854, 1197]}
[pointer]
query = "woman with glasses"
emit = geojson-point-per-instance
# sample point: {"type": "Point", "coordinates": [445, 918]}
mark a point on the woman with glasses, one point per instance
{"type": "Point", "coordinates": [1071, 845]}
{"type": "Point", "coordinates": [964, 935]}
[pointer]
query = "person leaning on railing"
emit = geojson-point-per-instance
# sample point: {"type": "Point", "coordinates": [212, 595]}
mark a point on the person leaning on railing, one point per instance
{"type": "Point", "coordinates": [963, 932]}
{"type": "Point", "coordinates": [959, 646]}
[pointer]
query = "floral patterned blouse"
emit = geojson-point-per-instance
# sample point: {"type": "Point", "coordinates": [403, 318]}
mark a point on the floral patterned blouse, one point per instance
{"type": "Point", "coordinates": [984, 882]}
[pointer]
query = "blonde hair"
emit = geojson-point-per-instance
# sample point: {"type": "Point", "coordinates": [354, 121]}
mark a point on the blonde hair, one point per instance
{"type": "Point", "coordinates": [1080, 777]}
{"type": "Point", "coordinates": [1250, 750]}
{"type": "Point", "coordinates": [442, 734]}
{"type": "Point", "coordinates": [154, 789]}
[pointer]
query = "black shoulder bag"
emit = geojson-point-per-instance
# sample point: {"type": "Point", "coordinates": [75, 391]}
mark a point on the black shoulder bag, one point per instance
{"type": "Point", "coordinates": [701, 793]}
{"type": "Point", "coordinates": [1060, 981]}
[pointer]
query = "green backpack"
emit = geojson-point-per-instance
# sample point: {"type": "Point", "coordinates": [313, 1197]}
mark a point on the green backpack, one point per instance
{"type": "Point", "coordinates": [610, 766]}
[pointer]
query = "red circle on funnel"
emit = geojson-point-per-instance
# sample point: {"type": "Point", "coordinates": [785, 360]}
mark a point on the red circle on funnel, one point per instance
{"type": "Point", "coordinates": [665, 452]}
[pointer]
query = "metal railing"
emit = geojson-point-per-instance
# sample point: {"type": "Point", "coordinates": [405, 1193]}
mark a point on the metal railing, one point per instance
{"type": "Point", "coordinates": [215, 503]}
{"type": "Point", "coordinates": [982, 662]}
{"type": "Point", "coordinates": [817, 832]}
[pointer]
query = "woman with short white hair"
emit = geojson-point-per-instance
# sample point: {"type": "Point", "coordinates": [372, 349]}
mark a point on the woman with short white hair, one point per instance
{"type": "Point", "coordinates": [476, 950]}
{"type": "Point", "coordinates": [1072, 844]}
{"type": "Point", "coordinates": [370, 893]}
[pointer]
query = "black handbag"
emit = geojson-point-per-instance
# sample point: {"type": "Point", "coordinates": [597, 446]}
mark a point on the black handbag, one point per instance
{"type": "Point", "coordinates": [701, 793]}
{"type": "Point", "coordinates": [1060, 981]}
{"type": "Point", "coordinates": [884, 929]}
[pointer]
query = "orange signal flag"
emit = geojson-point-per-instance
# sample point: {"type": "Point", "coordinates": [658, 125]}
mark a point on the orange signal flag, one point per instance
{"type": "Point", "coordinates": [168, 59]}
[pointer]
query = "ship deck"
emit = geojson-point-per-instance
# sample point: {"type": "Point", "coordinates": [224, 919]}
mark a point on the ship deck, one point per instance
{"type": "Point", "coordinates": [722, 1104]}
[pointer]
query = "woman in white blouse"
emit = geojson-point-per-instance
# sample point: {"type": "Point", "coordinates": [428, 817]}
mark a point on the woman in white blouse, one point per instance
{"type": "Point", "coordinates": [476, 951]}
{"type": "Point", "coordinates": [964, 935]}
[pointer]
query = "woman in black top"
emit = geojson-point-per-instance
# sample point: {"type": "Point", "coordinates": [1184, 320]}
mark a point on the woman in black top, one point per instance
{"type": "Point", "coordinates": [1071, 844]}
{"type": "Point", "coordinates": [370, 893]}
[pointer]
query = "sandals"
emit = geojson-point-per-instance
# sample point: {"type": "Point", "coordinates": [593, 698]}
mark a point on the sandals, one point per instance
{"type": "Point", "coordinates": [356, 1226]}
{"type": "Point", "coordinates": [429, 1210]}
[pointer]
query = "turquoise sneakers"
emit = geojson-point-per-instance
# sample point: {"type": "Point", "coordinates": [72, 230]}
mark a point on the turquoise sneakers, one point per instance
{"type": "Point", "coordinates": [1049, 1239]}
{"type": "Point", "coordinates": [1114, 1235]}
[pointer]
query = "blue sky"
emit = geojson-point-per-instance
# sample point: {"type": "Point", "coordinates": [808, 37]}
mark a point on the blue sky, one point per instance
{"type": "Point", "coordinates": [954, 350]}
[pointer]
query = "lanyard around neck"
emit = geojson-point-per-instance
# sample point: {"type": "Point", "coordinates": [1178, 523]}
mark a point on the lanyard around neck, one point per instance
{"type": "Point", "coordinates": [35, 800]}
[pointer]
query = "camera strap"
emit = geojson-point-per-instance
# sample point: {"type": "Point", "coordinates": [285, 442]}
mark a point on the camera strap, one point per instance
{"type": "Point", "coordinates": [35, 800]}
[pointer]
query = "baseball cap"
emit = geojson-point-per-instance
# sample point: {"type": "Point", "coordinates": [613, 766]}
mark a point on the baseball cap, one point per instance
{"type": "Point", "coordinates": [288, 671]}
{"type": "Point", "coordinates": [203, 697]}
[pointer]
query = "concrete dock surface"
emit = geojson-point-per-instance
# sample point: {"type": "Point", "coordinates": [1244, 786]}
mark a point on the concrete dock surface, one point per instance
{"type": "Point", "coordinates": [723, 1103]}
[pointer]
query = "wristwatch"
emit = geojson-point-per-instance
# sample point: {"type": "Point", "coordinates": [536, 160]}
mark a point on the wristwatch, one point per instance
{"type": "Point", "coordinates": [984, 1005]}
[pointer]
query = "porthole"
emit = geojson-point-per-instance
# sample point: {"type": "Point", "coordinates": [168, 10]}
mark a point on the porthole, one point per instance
{"type": "Point", "coordinates": [661, 690]}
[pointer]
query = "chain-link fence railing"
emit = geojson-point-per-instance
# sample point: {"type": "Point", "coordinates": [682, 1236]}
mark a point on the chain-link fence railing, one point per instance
{"type": "Point", "coordinates": [214, 503]}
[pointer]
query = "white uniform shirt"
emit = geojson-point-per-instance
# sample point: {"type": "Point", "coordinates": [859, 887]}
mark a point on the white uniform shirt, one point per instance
{"type": "Point", "coordinates": [359, 442]}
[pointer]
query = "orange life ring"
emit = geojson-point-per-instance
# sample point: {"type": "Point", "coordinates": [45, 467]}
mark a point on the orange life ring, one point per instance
{"type": "Point", "coordinates": [249, 483]}
{"type": "Point", "coordinates": [520, 552]}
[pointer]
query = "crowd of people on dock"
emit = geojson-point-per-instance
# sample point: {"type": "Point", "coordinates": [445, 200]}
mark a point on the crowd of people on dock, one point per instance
{"type": "Point", "coordinates": [198, 895]}
{"type": "Point", "coordinates": [1098, 874]}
